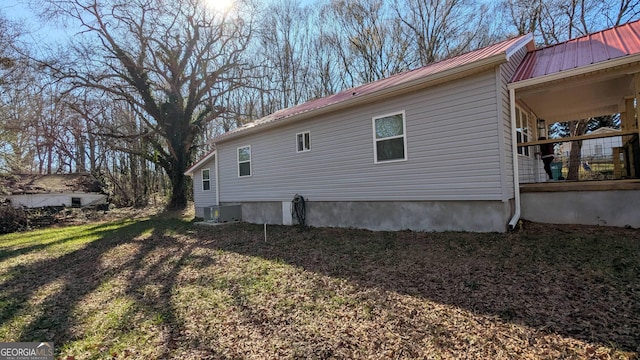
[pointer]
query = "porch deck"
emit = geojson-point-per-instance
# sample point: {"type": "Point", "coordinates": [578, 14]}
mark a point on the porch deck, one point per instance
{"type": "Point", "coordinates": [601, 202]}
{"type": "Point", "coordinates": [594, 185]}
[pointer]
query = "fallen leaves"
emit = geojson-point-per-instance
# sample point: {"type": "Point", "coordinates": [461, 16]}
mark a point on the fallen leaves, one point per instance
{"type": "Point", "coordinates": [171, 290]}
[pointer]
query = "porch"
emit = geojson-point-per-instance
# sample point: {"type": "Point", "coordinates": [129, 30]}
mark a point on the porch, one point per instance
{"type": "Point", "coordinates": [579, 102]}
{"type": "Point", "coordinates": [605, 202]}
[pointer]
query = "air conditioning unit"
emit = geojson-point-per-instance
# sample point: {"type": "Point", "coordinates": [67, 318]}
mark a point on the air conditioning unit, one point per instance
{"type": "Point", "coordinates": [223, 213]}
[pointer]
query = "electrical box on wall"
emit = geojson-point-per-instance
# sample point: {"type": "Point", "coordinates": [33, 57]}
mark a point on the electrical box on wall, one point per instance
{"type": "Point", "coordinates": [223, 213]}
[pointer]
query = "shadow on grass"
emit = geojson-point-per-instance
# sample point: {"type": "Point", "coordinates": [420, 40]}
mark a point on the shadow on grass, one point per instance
{"type": "Point", "coordinates": [154, 262]}
{"type": "Point", "coordinates": [580, 282]}
{"type": "Point", "coordinates": [36, 242]}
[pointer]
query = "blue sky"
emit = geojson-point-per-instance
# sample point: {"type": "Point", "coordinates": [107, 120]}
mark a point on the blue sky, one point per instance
{"type": "Point", "coordinates": [17, 10]}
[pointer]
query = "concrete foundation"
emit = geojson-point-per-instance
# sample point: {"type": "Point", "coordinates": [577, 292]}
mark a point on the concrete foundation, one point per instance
{"type": "Point", "coordinates": [611, 207]}
{"type": "Point", "coordinates": [268, 212]}
{"type": "Point", "coordinates": [480, 216]}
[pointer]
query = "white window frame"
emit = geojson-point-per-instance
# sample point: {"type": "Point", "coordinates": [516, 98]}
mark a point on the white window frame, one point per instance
{"type": "Point", "coordinates": [249, 161]}
{"type": "Point", "coordinates": [203, 179]}
{"type": "Point", "coordinates": [524, 131]}
{"type": "Point", "coordinates": [403, 136]}
{"type": "Point", "coordinates": [306, 145]}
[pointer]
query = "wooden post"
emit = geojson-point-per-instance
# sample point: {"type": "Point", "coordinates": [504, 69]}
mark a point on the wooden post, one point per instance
{"type": "Point", "coordinates": [629, 115]}
{"type": "Point", "coordinates": [617, 164]}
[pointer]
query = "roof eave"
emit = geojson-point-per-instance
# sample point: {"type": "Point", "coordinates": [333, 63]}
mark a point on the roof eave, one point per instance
{"type": "Point", "coordinates": [525, 40]}
{"type": "Point", "coordinates": [190, 171]}
{"type": "Point", "coordinates": [576, 71]}
{"type": "Point", "coordinates": [427, 81]}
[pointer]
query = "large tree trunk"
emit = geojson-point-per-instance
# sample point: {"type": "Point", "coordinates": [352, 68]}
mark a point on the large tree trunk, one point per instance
{"type": "Point", "coordinates": [179, 189]}
{"type": "Point", "coordinates": [574, 160]}
{"type": "Point", "coordinates": [576, 128]}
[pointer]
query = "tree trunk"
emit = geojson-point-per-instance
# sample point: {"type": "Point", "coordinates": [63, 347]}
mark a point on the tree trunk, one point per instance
{"type": "Point", "coordinates": [179, 189]}
{"type": "Point", "coordinates": [574, 160]}
{"type": "Point", "coordinates": [576, 128]}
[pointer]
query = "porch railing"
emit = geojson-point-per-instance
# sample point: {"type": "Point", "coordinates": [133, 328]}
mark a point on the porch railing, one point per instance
{"type": "Point", "coordinates": [609, 156]}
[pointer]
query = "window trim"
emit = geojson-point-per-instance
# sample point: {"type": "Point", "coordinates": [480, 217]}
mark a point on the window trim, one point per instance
{"type": "Point", "coordinates": [521, 111]}
{"type": "Point", "coordinates": [203, 179]}
{"type": "Point", "coordinates": [306, 146]}
{"type": "Point", "coordinates": [245, 161]}
{"type": "Point", "coordinates": [403, 136]}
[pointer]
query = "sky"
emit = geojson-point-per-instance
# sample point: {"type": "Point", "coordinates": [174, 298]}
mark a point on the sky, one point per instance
{"type": "Point", "coordinates": [18, 10]}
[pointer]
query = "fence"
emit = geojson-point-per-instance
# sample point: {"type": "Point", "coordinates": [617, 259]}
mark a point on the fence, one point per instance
{"type": "Point", "coordinates": [604, 158]}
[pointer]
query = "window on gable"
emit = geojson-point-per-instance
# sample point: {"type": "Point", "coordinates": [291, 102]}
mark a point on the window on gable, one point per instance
{"type": "Point", "coordinates": [598, 150]}
{"type": "Point", "coordinates": [206, 179]}
{"type": "Point", "coordinates": [522, 130]}
{"type": "Point", "coordinates": [389, 138]}
{"type": "Point", "coordinates": [244, 161]}
{"type": "Point", "coordinates": [303, 141]}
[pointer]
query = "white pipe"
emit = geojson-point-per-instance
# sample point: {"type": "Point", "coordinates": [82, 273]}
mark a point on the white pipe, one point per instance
{"type": "Point", "coordinates": [215, 161]}
{"type": "Point", "coordinates": [514, 149]}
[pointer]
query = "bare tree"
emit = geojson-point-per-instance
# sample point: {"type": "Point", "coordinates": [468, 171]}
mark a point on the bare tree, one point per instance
{"type": "Point", "coordinates": [285, 40]}
{"type": "Point", "coordinates": [368, 40]}
{"type": "Point", "coordinates": [522, 15]}
{"type": "Point", "coordinates": [171, 62]}
{"type": "Point", "coordinates": [444, 28]}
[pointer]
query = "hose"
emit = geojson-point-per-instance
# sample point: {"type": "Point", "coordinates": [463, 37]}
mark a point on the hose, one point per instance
{"type": "Point", "coordinates": [298, 209]}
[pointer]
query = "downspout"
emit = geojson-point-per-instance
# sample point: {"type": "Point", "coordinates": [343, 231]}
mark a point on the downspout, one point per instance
{"type": "Point", "coordinates": [215, 162]}
{"type": "Point", "coordinates": [514, 149]}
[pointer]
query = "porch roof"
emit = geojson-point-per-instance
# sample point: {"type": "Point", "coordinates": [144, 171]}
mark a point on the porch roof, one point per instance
{"type": "Point", "coordinates": [584, 77]}
{"type": "Point", "coordinates": [617, 42]}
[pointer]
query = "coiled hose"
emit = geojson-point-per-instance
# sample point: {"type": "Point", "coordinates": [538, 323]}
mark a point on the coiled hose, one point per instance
{"type": "Point", "coordinates": [298, 209]}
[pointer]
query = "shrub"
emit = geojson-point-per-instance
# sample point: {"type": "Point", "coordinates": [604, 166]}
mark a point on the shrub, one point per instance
{"type": "Point", "coordinates": [12, 219]}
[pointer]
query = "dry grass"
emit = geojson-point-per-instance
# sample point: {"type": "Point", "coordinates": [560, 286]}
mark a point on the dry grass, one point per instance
{"type": "Point", "coordinates": [164, 288]}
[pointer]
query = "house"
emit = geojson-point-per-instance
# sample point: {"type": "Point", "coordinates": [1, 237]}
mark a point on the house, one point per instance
{"type": "Point", "coordinates": [57, 190]}
{"type": "Point", "coordinates": [595, 149]}
{"type": "Point", "coordinates": [434, 149]}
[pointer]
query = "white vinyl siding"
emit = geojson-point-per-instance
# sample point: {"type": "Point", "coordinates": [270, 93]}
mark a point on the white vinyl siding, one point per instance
{"type": "Point", "coordinates": [205, 198]}
{"type": "Point", "coordinates": [303, 141]}
{"type": "Point", "coordinates": [244, 161]}
{"type": "Point", "coordinates": [389, 138]}
{"type": "Point", "coordinates": [451, 133]}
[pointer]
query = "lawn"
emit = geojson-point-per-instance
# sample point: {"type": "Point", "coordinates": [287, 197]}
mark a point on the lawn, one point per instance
{"type": "Point", "coordinates": [162, 287]}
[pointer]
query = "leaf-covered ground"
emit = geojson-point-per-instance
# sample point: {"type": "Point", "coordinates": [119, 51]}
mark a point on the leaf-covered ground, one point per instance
{"type": "Point", "coordinates": [165, 288]}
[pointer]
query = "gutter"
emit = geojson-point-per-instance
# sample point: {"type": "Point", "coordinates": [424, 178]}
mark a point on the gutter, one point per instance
{"type": "Point", "coordinates": [424, 82]}
{"type": "Point", "coordinates": [514, 149]}
{"type": "Point", "coordinates": [215, 165]}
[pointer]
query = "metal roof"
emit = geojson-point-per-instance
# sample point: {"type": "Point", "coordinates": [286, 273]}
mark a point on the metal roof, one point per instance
{"type": "Point", "coordinates": [617, 42]}
{"type": "Point", "coordinates": [499, 52]}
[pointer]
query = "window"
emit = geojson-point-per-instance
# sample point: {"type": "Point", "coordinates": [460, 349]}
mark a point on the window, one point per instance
{"type": "Point", "coordinates": [244, 161]}
{"type": "Point", "coordinates": [389, 138]}
{"type": "Point", "coordinates": [206, 179]}
{"type": "Point", "coordinates": [598, 150]}
{"type": "Point", "coordinates": [522, 130]}
{"type": "Point", "coordinates": [303, 141]}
